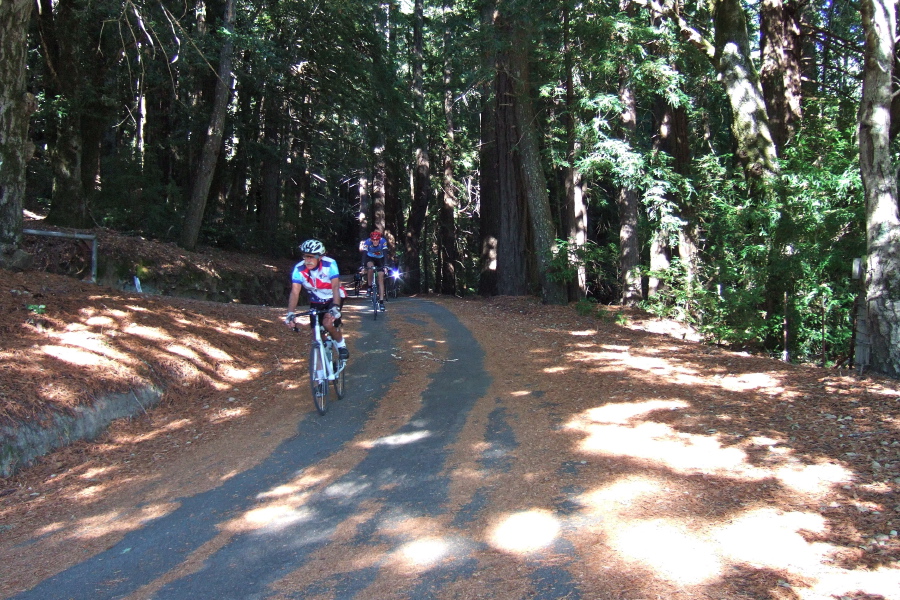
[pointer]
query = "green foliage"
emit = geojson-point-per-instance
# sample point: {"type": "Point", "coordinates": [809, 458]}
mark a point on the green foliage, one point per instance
{"type": "Point", "coordinates": [601, 265]}
{"type": "Point", "coordinates": [38, 309]}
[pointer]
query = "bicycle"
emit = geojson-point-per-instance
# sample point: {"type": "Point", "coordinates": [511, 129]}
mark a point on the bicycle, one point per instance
{"type": "Point", "coordinates": [324, 363]}
{"type": "Point", "coordinates": [392, 278]}
{"type": "Point", "coordinates": [373, 292]}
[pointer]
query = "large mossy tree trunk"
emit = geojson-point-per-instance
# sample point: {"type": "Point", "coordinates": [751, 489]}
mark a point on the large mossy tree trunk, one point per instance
{"type": "Point", "coordinates": [213, 145]}
{"type": "Point", "coordinates": [16, 106]}
{"type": "Point", "coordinates": [750, 122]}
{"type": "Point", "coordinates": [879, 180]}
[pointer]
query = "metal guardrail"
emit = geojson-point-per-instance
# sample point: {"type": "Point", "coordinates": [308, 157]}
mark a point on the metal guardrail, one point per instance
{"type": "Point", "coordinates": [76, 236]}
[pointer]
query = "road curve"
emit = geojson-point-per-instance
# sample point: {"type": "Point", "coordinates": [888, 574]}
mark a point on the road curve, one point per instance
{"type": "Point", "coordinates": [185, 554]}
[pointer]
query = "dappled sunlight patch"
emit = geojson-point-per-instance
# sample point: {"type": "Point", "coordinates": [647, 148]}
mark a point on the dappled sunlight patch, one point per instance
{"type": "Point", "coordinates": [397, 439]}
{"type": "Point", "coordinates": [76, 356]}
{"type": "Point", "coordinates": [182, 351]}
{"type": "Point", "coordinates": [617, 430]}
{"type": "Point", "coordinates": [583, 333]}
{"type": "Point", "coordinates": [751, 381]}
{"type": "Point", "coordinates": [235, 374]}
{"type": "Point", "coordinates": [658, 442]}
{"type": "Point", "coordinates": [274, 517]}
{"type": "Point", "coordinates": [94, 472]}
{"type": "Point", "coordinates": [100, 321]}
{"type": "Point", "coordinates": [240, 329]}
{"type": "Point", "coordinates": [524, 532]}
{"type": "Point", "coordinates": [422, 554]}
{"type": "Point", "coordinates": [770, 538]}
{"type": "Point", "coordinates": [816, 479]}
{"type": "Point", "coordinates": [556, 370]}
{"type": "Point", "coordinates": [625, 412]}
{"type": "Point", "coordinates": [227, 414]}
{"type": "Point", "coordinates": [672, 551]}
{"type": "Point", "coordinates": [117, 522]}
{"type": "Point", "coordinates": [622, 492]}
{"type": "Point", "coordinates": [150, 333]}
{"type": "Point", "coordinates": [92, 342]}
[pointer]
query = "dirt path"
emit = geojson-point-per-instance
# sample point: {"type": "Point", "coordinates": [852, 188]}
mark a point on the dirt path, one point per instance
{"type": "Point", "coordinates": [553, 457]}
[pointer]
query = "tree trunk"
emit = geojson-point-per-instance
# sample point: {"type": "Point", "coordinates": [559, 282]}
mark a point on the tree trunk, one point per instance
{"type": "Point", "coordinates": [489, 205]}
{"type": "Point", "coordinates": [422, 174]}
{"type": "Point", "coordinates": [57, 23]}
{"type": "Point", "coordinates": [540, 219]}
{"type": "Point", "coordinates": [628, 204]}
{"type": "Point", "coordinates": [379, 184]}
{"type": "Point", "coordinates": [750, 122]}
{"type": "Point", "coordinates": [882, 219]}
{"type": "Point", "coordinates": [576, 211]}
{"type": "Point", "coordinates": [213, 145]}
{"type": "Point", "coordinates": [271, 171]}
{"type": "Point", "coordinates": [448, 255]}
{"type": "Point", "coordinates": [16, 106]}
{"type": "Point", "coordinates": [511, 273]}
{"type": "Point", "coordinates": [780, 72]}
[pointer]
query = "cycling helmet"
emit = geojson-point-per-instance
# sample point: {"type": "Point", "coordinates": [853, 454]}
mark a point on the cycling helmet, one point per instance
{"type": "Point", "coordinates": [312, 247]}
{"type": "Point", "coordinates": [375, 235]}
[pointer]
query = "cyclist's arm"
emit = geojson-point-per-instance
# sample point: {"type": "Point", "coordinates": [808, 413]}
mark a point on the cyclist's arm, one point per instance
{"type": "Point", "coordinates": [294, 297]}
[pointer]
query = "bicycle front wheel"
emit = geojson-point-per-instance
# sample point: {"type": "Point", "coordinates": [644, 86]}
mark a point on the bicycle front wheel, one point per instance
{"type": "Point", "coordinates": [375, 302]}
{"type": "Point", "coordinates": [317, 379]}
{"type": "Point", "coordinates": [337, 366]}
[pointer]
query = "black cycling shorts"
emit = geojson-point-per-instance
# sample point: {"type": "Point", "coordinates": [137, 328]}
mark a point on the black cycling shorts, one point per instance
{"type": "Point", "coordinates": [325, 306]}
{"type": "Point", "coordinates": [378, 261]}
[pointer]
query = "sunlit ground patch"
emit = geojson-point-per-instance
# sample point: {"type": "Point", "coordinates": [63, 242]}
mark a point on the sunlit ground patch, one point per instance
{"type": "Point", "coordinates": [627, 430]}
{"type": "Point", "coordinates": [525, 532]}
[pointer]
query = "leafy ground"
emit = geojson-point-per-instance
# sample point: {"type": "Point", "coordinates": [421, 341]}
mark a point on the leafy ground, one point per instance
{"type": "Point", "coordinates": [724, 475]}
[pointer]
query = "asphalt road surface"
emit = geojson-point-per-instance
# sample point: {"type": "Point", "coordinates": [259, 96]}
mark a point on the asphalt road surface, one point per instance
{"type": "Point", "coordinates": [402, 476]}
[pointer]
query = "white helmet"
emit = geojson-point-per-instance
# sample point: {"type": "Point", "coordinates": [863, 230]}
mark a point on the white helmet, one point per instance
{"type": "Point", "coordinates": [312, 247]}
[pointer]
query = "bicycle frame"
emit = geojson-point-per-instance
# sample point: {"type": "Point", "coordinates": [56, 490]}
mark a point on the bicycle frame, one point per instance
{"type": "Point", "coordinates": [323, 356]}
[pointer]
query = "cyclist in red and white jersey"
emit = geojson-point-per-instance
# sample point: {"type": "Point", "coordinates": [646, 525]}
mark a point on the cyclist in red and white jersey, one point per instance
{"type": "Point", "coordinates": [319, 276]}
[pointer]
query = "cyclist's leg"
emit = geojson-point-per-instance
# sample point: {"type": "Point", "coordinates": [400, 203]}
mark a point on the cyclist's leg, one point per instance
{"type": "Point", "coordinates": [381, 285]}
{"type": "Point", "coordinates": [370, 266]}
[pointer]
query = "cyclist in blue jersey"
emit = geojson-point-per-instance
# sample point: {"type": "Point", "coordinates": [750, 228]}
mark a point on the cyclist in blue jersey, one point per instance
{"type": "Point", "coordinates": [319, 276]}
{"type": "Point", "coordinates": [374, 250]}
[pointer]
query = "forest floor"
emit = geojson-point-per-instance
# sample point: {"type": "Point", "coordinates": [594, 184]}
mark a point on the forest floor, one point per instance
{"type": "Point", "coordinates": [801, 460]}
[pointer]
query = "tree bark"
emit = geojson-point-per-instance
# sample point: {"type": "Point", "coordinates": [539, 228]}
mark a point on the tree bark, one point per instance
{"type": "Point", "coordinates": [16, 106]}
{"type": "Point", "coordinates": [628, 204]}
{"type": "Point", "coordinates": [448, 255]}
{"type": "Point", "coordinates": [879, 180]}
{"type": "Point", "coordinates": [422, 173]}
{"type": "Point", "coordinates": [213, 145]}
{"type": "Point", "coordinates": [576, 210]}
{"type": "Point", "coordinates": [750, 122]}
{"type": "Point", "coordinates": [271, 170]}
{"type": "Point", "coordinates": [540, 219]}
{"type": "Point", "coordinates": [780, 72]}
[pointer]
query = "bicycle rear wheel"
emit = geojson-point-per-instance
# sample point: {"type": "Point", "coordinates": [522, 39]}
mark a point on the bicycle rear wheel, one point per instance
{"type": "Point", "coordinates": [318, 382]}
{"type": "Point", "coordinates": [337, 366]}
{"type": "Point", "coordinates": [375, 301]}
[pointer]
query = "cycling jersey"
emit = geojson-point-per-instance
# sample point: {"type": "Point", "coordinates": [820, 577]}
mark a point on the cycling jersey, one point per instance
{"type": "Point", "coordinates": [317, 282]}
{"type": "Point", "coordinates": [375, 250]}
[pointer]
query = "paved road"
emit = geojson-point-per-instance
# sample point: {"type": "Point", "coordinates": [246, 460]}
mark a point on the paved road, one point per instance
{"type": "Point", "coordinates": [402, 477]}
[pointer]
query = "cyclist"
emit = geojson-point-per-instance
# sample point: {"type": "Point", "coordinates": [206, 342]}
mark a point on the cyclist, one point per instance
{"type": "Point", "coordinates": [373, 252]}
{"type": "Point", "coordinates": [319, 276]}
